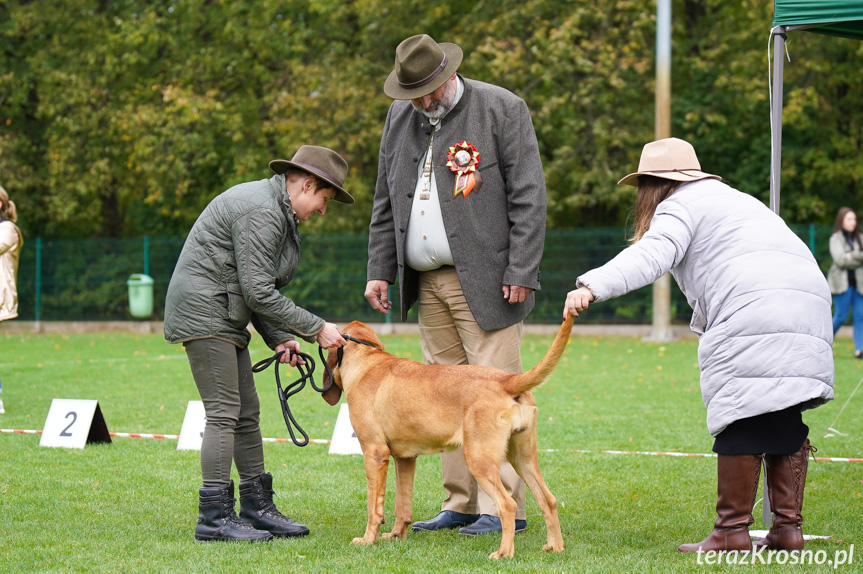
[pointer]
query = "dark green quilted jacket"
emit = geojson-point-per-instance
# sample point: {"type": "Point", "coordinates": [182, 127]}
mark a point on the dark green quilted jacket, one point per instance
{"type": "Point", "coordinates": [243, 248]}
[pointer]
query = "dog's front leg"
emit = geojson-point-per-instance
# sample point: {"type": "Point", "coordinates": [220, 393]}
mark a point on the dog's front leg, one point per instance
{"type": "Point", "coordinates": [376, 461]}
{"type": "Point", "coordinates": [405, 470]}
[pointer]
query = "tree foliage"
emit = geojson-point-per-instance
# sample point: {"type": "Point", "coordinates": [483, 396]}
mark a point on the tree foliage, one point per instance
{"type": "Point", "coordinates": [125, 117]}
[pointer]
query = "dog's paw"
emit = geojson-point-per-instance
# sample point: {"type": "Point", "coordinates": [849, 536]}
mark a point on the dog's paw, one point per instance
{"type": "Point", "coordinates": [393, 536]}
{"type": "Point", "coordinates": [363, 541]}
{"type": "Point", "coordinates": [500, 554]}
{"type": "Point", "coordinates": [549, 547]}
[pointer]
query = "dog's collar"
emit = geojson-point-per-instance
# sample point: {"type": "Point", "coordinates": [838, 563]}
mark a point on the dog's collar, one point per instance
{"type": "Point", "coordinates": [360, 341]}
{"type": "Point", "coordinates": [340, 352]}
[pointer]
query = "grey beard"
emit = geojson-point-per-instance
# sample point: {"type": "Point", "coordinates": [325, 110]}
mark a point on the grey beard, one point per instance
{"type": "Point", "coordinates": [444, 105]}
{"type": "Point", "coordinates": [440, 112]}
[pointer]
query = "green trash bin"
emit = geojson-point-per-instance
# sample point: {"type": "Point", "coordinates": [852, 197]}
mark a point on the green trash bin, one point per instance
{"type": "Point", "coordinates": [140, 295]}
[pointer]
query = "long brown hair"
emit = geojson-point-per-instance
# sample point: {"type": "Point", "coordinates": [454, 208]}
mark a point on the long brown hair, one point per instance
{"type": "Point", "coordinates": [7, 207]}
{"type": "Point", "coordinates": [837, 226]}
{"type": "Point", "coordinates": [651, 191]}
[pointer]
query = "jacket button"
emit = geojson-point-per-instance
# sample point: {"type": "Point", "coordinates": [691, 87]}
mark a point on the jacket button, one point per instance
{"type": "Point", "coordinates": [411, 194]}
{"type": "Point", "coordinates": [401, 229]}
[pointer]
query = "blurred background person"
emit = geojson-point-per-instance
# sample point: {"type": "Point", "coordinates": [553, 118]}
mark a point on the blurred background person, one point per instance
{"type": "Point", "coordinates": [11, 242]}
{"type": "Point", "coordinates": [845, 276]}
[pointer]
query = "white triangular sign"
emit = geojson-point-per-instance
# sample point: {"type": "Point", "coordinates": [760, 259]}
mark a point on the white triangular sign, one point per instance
{"type": "Point", "coordinates": [192, 431]}
{"type": "Point", "coordinates": [344, 438]}
{"type": "Point", "coordinates": [73, 423]}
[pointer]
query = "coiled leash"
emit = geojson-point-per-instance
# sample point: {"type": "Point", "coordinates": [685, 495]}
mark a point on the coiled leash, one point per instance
{"type": "Point", "coordinates": [307, 373]}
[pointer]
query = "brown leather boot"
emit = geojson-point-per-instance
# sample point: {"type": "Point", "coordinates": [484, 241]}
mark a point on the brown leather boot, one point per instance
{"type": "Point", "coordinates": [737, 480]}
{"type": "Point", "coordinates": [786, 478]}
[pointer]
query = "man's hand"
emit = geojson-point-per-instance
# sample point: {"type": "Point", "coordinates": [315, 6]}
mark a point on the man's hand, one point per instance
{"type": "Point", "coordinates": [576, 301]}
{"type": "Point", "coordinates": [330, 337]}
{"type": "Point", "coordinates": [293, 359]}
{"type": "Point", "coordinates": [515, 294]}
{"type": "Point", "coordinates": [378, 297]}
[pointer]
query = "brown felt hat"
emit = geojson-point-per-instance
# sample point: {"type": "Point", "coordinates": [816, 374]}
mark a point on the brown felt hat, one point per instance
{"type": "Point", "coordinates": [422, 66]}
{"type": "Point", "coordinates": [669, 158]}
{"type": "Point", "coordinates": [321, 162]}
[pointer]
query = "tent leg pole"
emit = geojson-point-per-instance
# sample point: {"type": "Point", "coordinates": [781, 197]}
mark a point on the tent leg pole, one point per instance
{"type": "Point", "coordinates": [776, 116]}
{"type": "Point", "coordinates": [661, 329]}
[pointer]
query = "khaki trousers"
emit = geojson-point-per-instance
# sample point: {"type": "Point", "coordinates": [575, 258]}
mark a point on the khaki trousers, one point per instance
{"type": "Point", "coordinates": [450, 336]}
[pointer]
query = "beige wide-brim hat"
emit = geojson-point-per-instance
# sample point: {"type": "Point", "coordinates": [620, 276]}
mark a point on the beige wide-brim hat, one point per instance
{"type": "Point", "coordinates": [669, 158]}
{"type": "Point", "coordinates": [321, 162]}
{"type": "Point", "coordinates": [422, 66]}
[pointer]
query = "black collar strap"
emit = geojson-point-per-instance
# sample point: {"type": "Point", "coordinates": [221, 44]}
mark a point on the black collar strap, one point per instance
{"type": "Point", "coordinates": [340, 352]}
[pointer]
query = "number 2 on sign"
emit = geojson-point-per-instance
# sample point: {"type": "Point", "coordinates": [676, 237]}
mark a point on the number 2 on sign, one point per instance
{"type": "Point", "coordinates": [74, 416]}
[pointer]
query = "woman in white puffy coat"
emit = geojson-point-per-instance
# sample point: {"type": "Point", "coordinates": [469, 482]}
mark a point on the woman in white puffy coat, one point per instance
{"type": "Point", "coordinates": [761, 309]}
{"type": "Point", "coordinates": [11, 242]}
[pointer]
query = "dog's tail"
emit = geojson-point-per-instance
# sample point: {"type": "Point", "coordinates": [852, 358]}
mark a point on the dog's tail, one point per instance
{"type": "Point", "coordinates": [518, 384]}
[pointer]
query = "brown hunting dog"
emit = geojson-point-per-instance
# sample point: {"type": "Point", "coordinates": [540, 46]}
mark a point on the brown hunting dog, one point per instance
{"type": "Point", "coordinates": [402, 408]}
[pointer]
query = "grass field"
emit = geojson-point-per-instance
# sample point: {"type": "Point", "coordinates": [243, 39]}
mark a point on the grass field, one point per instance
{"type": "Point", "coordinates": [131, 506]}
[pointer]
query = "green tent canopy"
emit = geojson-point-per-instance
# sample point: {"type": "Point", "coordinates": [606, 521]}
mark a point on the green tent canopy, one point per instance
{"type": "Point", "coordinates": [832, 17]}
{"type": "Point", "coordinates": [842, 18]}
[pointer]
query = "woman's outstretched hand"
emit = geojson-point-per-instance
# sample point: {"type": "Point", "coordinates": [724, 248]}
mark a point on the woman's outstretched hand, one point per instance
{"type": "Point", "coordinates": [577, 300]}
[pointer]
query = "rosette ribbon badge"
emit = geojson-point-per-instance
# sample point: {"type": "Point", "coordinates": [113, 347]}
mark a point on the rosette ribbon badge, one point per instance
{"type": "Point", "coordinates": [462, 159]}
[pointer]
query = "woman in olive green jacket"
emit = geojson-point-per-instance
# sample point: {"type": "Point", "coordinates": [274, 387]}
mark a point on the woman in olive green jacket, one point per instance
{"type": "Point", "coordinates": [242, 249]}
{"type": "Point", "coordinates": [845, 276]}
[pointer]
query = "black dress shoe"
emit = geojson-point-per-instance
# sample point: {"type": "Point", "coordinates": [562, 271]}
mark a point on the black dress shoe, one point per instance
{"type": "Point", "coordinates": [445, 520]}
{"type": "Point", "coordinates": [488, 524]}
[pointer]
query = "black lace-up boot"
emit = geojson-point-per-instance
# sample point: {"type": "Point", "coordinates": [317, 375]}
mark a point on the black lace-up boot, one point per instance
{"type": "Point", "coordinates": [218, 521]}
{"type": "Point", "coordinates": [257, 508]}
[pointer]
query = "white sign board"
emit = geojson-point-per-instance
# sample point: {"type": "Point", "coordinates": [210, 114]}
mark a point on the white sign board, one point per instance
{"type": "Point", "coordinates": [72, 423]}
{"type": "Point", "coordinates": [344, 438]}
{"type": "Point", "coordinates": [192, 432]}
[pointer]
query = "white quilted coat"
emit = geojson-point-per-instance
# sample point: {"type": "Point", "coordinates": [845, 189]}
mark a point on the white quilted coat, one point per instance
{"type": "Point", "coordinates": [761, 306]}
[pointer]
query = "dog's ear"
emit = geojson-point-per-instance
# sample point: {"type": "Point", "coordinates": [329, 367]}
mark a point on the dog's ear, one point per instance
{"type": "Point", "coordinates": [368, 334]}
{"type": "Point", "coordinates": [334, 393]}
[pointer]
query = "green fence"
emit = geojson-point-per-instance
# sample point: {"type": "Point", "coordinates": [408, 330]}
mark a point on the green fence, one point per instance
{"type": "Point", "coordinates": [85, 279]}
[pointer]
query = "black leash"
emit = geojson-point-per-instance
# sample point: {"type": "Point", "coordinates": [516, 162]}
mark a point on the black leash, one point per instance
{"type": "Point", "coordinates": [307, 373]}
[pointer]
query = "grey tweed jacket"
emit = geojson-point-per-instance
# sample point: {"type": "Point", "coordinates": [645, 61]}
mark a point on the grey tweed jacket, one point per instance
{"type": "Point", "coordinates": [497, 233]}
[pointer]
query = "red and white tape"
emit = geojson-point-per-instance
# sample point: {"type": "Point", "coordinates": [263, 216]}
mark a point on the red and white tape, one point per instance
{"type": "Point", "coordinates": [327, 441]}
{"type": "Point", "coordinates": [143, 435]}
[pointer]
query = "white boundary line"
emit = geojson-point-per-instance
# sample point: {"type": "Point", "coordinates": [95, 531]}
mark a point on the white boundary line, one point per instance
{"type": "Point", "coordinates": [96, 361]}
{"type": "Point", "coordinates": [328, 441]}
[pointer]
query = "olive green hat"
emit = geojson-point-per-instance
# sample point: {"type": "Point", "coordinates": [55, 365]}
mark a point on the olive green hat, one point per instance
{"type": "Point", "coordinates": [321, 162]}
{"type": "Point", "coordinates": [422, 66]}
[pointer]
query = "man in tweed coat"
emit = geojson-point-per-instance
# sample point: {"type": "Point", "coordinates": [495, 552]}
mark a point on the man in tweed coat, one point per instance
{"type": "Point", "coordinates": [468, 253]}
